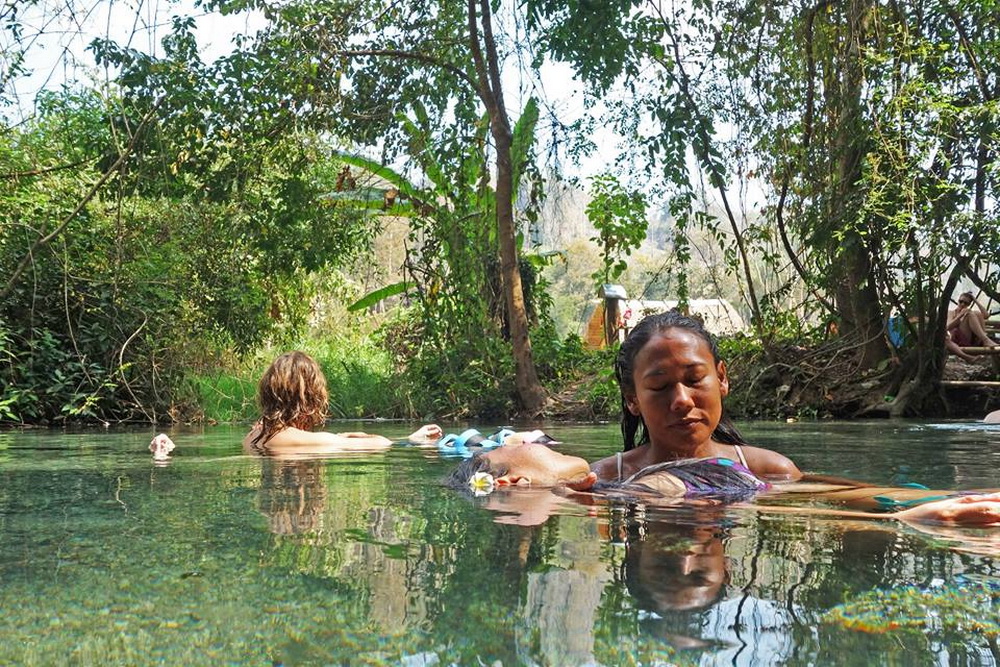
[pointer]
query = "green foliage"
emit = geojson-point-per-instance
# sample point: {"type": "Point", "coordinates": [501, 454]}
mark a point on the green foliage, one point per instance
{"type": "Point", "coordinates": [558, 359]}
{"type": "Point", "coordinates": [601, 60]}
{"type": "Point", "coordinates": [361, 380]}
{"type": "Point", "coordinates": [234, 189]}
{"type": "Point", "coordinates": [869, 128]}
{"type": "Point", "coordinates": [44, 380]}
{"type": "Point", "coordinates": [145, 282]}
{"type": "Point", "coordinates": [739, 346]}
{"type": "Point", "coordinates": [378, 295]}
{"type": "Point", "coordinates": [225, 397]}
{"type": "Point", "coordinates": [360, 377]}
{"type": "Point", "coordinates": [869, 131]}
{"type": "Point", "coordinates": [584, 376]}
{"type": "Point", "coordinates": [468, 378]}
{"type": "Point", "coordinates": [619, 216]}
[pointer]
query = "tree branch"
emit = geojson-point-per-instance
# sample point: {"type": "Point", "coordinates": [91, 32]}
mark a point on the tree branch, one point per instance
{"type": "Point", "coordinates": [702, 147]}
{"type": "Point", "coordinates": [493, 61]}
{"type": "Point", "coordinates": [12, 175]}
{"type": "Point", "coordinates": [982, 284]}
{"type": "Point", "coordinates": [792, 256]}
{"type": "Point", "coordinates": [44, 240]}
{"type": "Point", "coordinates": [483, 85]}
{"type": "Point", "coordinates": [410, 55]}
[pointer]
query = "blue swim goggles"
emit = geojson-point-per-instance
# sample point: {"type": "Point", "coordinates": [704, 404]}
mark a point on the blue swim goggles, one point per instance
{"type": "Point", "coordinates": [471, 441]}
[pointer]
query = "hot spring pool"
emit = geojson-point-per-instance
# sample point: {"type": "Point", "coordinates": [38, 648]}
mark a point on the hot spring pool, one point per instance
{"type": "Point", "coordinates": [221, 558]}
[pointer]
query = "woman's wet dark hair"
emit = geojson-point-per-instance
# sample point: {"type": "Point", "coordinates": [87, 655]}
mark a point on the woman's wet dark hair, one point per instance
{"type": "Point", "coordinates": [633, 427]}
{"type": "Point", "coordinates": [460, 476]}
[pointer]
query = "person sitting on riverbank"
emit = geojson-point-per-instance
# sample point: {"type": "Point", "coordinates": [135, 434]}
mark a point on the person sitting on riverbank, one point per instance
{"type": "Point", "coordinates": [967, 327]}
{"type": "Point", "coordinates": [672, 384]}
{"type": "Point", "coordinates": [536, 466]}
{"type": "Point", "coordinates": [293, 400]}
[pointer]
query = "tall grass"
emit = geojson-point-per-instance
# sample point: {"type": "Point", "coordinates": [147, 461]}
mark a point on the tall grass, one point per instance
{"type": "Point", "coordinates": [225, 397]}
{"type": "Point", "coordinates": [359, 375]}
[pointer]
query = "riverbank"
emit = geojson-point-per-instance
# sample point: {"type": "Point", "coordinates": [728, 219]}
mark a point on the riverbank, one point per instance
{"type": "Point", "coordinates": [795, 381]}
{"type": "Point", "coordinates": [799, 382]}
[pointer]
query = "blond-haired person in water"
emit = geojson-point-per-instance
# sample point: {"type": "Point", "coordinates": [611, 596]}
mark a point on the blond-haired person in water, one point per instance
{"type": "Point", "coordinates": [293, 401]}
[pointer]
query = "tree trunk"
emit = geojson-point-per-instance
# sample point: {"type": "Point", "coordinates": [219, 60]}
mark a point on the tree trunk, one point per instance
{"type": "Point", "coordinates": [529, 389]}
{"type": "Point", "coordinates": [530, 392]}
{"type": "Point", "coordinates": [919, 376]}
{"type": "Point", "coordinates": [856, 295]}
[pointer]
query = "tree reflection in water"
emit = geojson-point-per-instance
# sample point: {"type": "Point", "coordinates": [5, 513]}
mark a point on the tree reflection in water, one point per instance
{"type": "Point", "coordinates": [694, 580]}
{"type": "Point", "coordinates": [539, 578]}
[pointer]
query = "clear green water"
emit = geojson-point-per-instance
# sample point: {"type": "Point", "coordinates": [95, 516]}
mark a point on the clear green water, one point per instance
{"type": "Point", "coordinates": [218, 558]}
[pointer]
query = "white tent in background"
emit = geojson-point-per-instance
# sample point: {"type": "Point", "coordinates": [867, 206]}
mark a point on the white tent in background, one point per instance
{"type": "Point", "coordinates": [719, 316]}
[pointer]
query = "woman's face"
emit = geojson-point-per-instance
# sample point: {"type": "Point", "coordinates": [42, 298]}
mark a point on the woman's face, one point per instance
{"type": "Point", "coordinates": [535, 464]}
{"type": "Point", "coordinates": [678, 390]}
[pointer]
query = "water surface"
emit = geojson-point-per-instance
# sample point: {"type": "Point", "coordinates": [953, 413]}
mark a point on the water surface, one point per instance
{"type": "Point", "coordinates": [106, 558]}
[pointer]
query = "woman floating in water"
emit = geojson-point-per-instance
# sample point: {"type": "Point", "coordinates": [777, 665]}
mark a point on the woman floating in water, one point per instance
{"type": "Point", "coordinates": [535, 465]}
{"type": "Point", "coordinates": [672, 384]}
{"type": "Point", "coordinates": [293, 400]}
{"type": "Point", "coordinates": [679, 443]}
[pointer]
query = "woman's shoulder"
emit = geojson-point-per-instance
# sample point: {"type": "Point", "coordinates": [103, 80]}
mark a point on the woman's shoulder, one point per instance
{"type": "Point", "coordinates": [771, 464]}
{"type": "Point", "coordinates": [250, 444]}
{"type": "Point", "coordinates": [631, 461]}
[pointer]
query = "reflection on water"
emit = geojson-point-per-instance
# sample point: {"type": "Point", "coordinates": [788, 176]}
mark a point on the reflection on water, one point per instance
{"type": "Point", "coordinates": [676, 565]}
{"type": "Point", "coordinates": [292, 495]}
{"type": "Point", "coordinates": [106, 558]}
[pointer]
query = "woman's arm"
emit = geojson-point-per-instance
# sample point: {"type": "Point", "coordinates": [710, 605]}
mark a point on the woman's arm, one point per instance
{"type": "Point", "coordinates": [976, 510]}
{"type": "Point", "coordinates": [867, 498]}
{"type": "Point", "coordinates": [297, 441]}
{"type": "Point", "coordinates": [956, 318]}
{"type": "Point", "coordinates": [909, 505]}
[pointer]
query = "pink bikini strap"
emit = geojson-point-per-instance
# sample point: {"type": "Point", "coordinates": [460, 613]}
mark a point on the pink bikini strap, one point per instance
{"type": "Point", "coordinates": [739, 453]}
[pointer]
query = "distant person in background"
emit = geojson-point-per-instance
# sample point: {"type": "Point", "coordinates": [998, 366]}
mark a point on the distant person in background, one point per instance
{"type": "Point", "coordinates": [293, 401]}
{"type": "Point", "coordinates": [967, 327]}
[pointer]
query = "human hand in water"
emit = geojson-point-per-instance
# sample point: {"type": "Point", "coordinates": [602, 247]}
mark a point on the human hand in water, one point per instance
{"type": "Point", "coordinates": [426, 435]}
{"type": "Point", "coordinates": [981, 510]}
